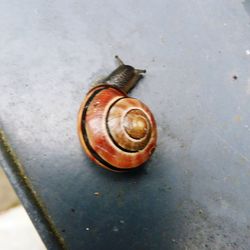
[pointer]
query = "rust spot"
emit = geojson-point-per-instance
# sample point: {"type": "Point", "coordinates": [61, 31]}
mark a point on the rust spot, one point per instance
{"type": "Point", "coordinates": [237, 118]}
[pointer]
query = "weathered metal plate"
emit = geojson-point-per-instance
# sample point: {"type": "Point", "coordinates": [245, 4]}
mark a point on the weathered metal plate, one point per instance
{"type": "Point", "coordinates": [194, 193]}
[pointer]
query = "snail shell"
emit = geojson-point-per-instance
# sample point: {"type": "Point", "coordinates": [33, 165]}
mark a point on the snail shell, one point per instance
{"type": "Point", "coordinates": [116, 131]}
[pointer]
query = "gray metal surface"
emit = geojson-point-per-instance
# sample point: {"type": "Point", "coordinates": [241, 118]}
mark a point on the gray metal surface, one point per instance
{"type": "Point", "coordinates": [194, 193]}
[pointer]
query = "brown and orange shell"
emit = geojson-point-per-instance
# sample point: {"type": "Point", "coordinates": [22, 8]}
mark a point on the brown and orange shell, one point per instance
{"type": "Point", "coordinates": [117, 132]}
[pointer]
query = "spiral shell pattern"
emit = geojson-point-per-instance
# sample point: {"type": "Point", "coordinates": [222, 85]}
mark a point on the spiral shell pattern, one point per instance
{"type": "Point", "coordinates": [116, 131]}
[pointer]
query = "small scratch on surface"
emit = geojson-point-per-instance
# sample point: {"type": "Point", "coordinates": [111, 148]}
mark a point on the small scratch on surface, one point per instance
{"type": "Point", "coordinates": [235, 151]}
{"type": "Point", "coordinates": [248, 87]}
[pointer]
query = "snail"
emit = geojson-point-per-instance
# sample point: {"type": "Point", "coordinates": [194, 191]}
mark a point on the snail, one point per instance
{"type": "Point", "coordinates": [116, 131]}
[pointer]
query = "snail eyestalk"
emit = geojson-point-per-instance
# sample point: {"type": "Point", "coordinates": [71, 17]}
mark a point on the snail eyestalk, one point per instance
{"type": "Point", "coordinates": [140, 71]}
{"type": "Point", "coordinates": [125, 77]}
{"type": "Point", "coordinates": [120, 62]}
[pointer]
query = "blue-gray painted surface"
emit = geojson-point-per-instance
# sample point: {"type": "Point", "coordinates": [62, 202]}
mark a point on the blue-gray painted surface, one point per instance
{"type": "Point", "coordinates": [194, 193]}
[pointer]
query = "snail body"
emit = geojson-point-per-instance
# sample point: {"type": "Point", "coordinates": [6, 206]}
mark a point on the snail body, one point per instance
{"type": "Point", "coordinates": [116, 131]}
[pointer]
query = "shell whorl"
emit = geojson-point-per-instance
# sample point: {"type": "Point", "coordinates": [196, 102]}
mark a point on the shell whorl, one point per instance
{"type": "Point", "coordinates": [128, 125]}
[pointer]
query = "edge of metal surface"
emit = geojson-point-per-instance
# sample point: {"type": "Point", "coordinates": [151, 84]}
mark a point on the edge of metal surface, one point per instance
{"type": "Point", "coordinates": [30, 199]}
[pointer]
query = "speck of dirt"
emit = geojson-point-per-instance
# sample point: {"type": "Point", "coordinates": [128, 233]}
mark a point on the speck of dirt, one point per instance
{"type": "Point", "coordinates": [237, 118]}
{"type": "Point", "coordinates": [235, 77]}
{"type": "Point", "coordinates": [63, 230]}
{"type": "Point", "coordinates": [200, 211]}
{"type": "Point", "coordinates": [115, 229]}
{"type": "Point", "coordinates": [234, 244]}
{"type": "Point", "coordinates": [73, 210]}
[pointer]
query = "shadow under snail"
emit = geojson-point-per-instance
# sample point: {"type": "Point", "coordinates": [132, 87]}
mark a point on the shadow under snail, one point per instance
{"type": "Point", "coordinates": [116, 131]}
